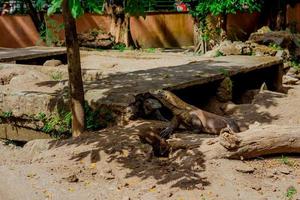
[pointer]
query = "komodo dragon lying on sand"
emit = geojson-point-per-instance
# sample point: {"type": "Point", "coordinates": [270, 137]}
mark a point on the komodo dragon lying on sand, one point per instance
{"type": "Point", "coordinates": [191, 117]}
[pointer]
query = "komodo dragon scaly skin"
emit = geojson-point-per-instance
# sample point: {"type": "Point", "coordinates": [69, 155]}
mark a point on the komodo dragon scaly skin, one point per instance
{"type": "Point", "coordinates": [191, 117]}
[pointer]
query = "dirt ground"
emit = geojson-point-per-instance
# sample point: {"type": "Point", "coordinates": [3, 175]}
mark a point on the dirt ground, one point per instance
{"type": "Point", "coordinates": [113, 164]}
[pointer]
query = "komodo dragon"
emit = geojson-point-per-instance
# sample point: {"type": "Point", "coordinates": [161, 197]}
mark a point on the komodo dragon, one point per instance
{"type": "Point", "coordinates": [191, 117]}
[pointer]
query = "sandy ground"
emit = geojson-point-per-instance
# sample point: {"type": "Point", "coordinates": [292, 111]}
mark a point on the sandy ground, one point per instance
{"type": "Point", "coordinates": [113, 164]}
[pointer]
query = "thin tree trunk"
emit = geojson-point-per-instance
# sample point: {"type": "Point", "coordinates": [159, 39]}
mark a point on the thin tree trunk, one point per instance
{"type": "Point", "coordinates": [75, 79]}
{"type": "Point", "coordinates": [34, 15]}
{"type": "Point", "coordinates": [223, 26]}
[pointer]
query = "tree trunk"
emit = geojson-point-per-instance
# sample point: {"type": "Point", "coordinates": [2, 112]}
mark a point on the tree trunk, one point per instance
{"type": "Point", "coordinates": [223, 26]}
{"type": "Point", "coordinates": [200, 42]}
{"type": "Point", "coordinates": [120, 23]}
{"type": "Point", "coordinates": [34, 15]}
{"type": "Point", "coordinates": [75, 79]}
{"type": "Point", "coordinates": [274, 14]}
{"type": "Point", "coordinates": [255, 142]}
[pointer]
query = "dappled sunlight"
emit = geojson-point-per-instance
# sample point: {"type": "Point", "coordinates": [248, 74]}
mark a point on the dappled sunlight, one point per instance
{"type": "Point", "coordinates": [121, 145]}
{"type": "Point", "coordinates": [25, 35]}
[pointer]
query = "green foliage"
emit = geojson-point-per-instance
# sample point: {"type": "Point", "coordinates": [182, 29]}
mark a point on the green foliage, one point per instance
{"type": "Point", "coordinates": [151, 50]}
{"type": "Point", "coordinates": [60, 124]}
{"type": "Point", "coordinates": [224, 71]}
{"type": "Point", "coordinates": [76, 6]}
{"type": "Point", "coordinates": [54, 7]}
{"type": "Point", "coordinates": [41, 116]}
{"type": "Point", "coordinates": [95, 6]}
{"type": "Point", "coordinates": [76, 9]}
{"type": "Point", "coordinates": [285, 160]}
{"type": "Point", "coordinates": [7, 114]}
{"type": "Point", "coordinates": [96, 119]}
{"type": "Point", "coordinates": [275, 46]}
{"type": "Point", "coordinates": [57, 76]}
{"type": "Point", "coordinates": [217, 7]}
{"type": "Point", "coordinates": [50, 34]}
{"type": "Point", "coordinates": [92, 118]}
{"type": "Point", "coordinates": [291, 191]}
{"type": "Point", "coordinates": [39, 4]}
{"type": "Point", "coordinates": [137, 7]}
{"type": "Point", "coordinates": [120, 46]}
{"type": "Point", "coordinates": [57, 124]}
{"type": "Point", "coordinates": [295, 64]}
{"type": "Point", "coordinates": [219, 53]}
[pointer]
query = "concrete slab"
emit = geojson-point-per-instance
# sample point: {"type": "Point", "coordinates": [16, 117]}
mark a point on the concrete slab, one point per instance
{"type": "Point", "coordinates": [122, 89]}
{"type": "Point", "coordinates": [118, 90]}
{"type": "Point", "coordinates": [29, 53]}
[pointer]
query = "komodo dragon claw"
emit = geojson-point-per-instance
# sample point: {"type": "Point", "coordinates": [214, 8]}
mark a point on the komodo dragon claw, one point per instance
{"type": "Point", "coordinates": [166, 132]}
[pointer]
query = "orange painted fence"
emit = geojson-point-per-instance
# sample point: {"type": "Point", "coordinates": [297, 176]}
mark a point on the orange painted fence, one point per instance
{"type": "Point", "coordinates": [84, 23]}
{"type": "Point", "coordinates": [17, 31]}
{"type": "Point", "coordinates": [163, 30]}
{"type": "Point", "coordinates": [156, 30]}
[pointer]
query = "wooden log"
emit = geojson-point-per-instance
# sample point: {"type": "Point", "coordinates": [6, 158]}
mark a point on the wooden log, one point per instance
{"type": "Point", "coordinates": [255, 142]}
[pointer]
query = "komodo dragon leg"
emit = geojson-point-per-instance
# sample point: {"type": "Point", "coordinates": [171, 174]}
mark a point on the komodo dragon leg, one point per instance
{"type": "Point", "coordinates": [170, 129]}
{"type": "Point", "coordinates": [159, 116]}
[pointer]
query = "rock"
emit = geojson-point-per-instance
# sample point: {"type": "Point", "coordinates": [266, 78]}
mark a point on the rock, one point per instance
{"type": "Point", "coordinates": [264, 29]}
{"type": "Point", "coordinates": [262, 50]}
{"type": "Point", "coordinates": [282, 54]}
{"type": "Point", "coordinates": [224, 91]}
{"type": "Point", "coordinates": [293, 71]}
{"type": "Point", "coordinates": [109, 175]}
{"type": "Point", "coordinates": [229, 48]}
{"type": "Point", "coordinates": [283, 39]}
{"type": "Point", "coordinates": [8, 73]}
{"type": "Point", "coordinates": [35, 147]}
{"type": "Point", "coordinates": [288, 80]}
{"type": "Point", "coordinates": [104, 36]}
{"type": "Point", "coordinates": [256, 187]}
{"type": "Point", "coordinates": [284, 170]}
{"type": "Point", "coordinates": [212, 53]}
{"type": "Point", "coordinates": [29, 76]}
{"type": "Point", "coordinates": [247, 96]}
{"type": "Point", "coordinates": [96, 39]}
{"type": "Point", "coordinates": [104, 44]}
{"type": "Point", "coordinates": [83, 37]}
{"type": "Point", "coordinates": [270, 174]}
{"type": "Point", "coordinates": [52, 63]}
{"type": "Point", "coordinates": [244, 168]}
{"type": "Point", "coordinates": [72, 179]}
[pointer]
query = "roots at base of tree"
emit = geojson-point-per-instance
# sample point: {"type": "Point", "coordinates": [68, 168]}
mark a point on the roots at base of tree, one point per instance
{"type": "Point", "coordinates": [255, 142]}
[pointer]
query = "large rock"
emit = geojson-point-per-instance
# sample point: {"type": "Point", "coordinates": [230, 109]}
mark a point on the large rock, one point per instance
{"type": "Point", "coordinates": [96, 39]}
{"type": "Point", "coordinates": [283, 39]}
{"type": "Point", "coordinates": [262, 50]}
{"type": "Point", "coordinates": [52, 63]}
{"type": "Point", "coordinates": [289, 80]}
{"type": "Point", "coordinates": [8, 73]}
{"type": "Point", "coordinates": [228, 48]}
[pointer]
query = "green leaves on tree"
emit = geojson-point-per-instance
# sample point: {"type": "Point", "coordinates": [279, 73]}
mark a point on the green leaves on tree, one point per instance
{"type": "Point", "coordinates": [55, 6]}
{"type": "Point", "coordinates": [218, 7]}
{"type": "Point", "coordinates": [76, 8]}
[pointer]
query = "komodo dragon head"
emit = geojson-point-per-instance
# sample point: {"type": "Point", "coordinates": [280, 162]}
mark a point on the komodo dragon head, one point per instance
{"type": "Point", "coordinates": [170, 100]}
